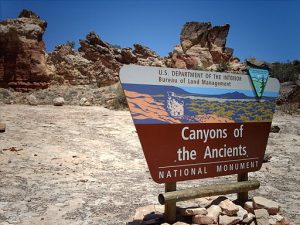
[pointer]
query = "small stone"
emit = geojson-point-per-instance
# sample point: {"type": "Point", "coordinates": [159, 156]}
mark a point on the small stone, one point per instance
{"type": "Point", "coordinates": [275, 129]}
{"type": "Point", "coordinates": [263, 203]}
{"type": "Point", "coordinates": [272, 221]}
{"type": "Point", "coordinates": [202, 219]}
{"type": "Point", "coordinates": [249, 206]}
{"type": "Point", "coordinates": [203, 202]}
{"type": "Point", "coordinates": [228, 207]}
{"type": "Point", "coordinates": [249, 218]}
{"type": "Point", "coordinates": [142, 212]}
{"type": "Point", "coordinates": [228, 220]}
{"type": "Point", "coordinates": [285, 221]}
{"type": "Point", "coordinates": [193, 211]}
{"type": "Point", "coordinates": [32, 100]}
{"type": "Point", "coordinates": [242, 213]}
{"type": "Point", "coordinates": [84, 102]}
{"type": "Point", "coordinates": [153, 216]}
{"type": "Point", "coordinates": [2, 127]}
{"type": "Point", "coordinates": [277, 217]}
{"type": "Point", "coordinates": [262, 216]}
{"type": "Point", "coordinates": [180, 223]}
{"type": "Point", "coordinates": [213, 212]}
{"type": "Point", "coordinates": [58, 101]}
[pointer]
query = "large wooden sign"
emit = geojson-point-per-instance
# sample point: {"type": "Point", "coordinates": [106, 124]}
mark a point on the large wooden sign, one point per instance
{"type": "Point", "coordinates": [198, 124]}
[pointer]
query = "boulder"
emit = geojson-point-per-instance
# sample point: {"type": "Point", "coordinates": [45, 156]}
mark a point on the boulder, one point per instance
{"type": "Point", "coordinates": [58, 101]}
{"type": "Point", "coordinates": [22, 56]}
{"type": "Point", "coordinates": [32, 100]}
{"type": "Point", "coordinates": [84, 102]}
{"type": "Point", "coordinates": [202, 46]}
{"type": "Point", "coordinates": [263, 203]}
{"type": "Point", "coordinates": [252, 62]}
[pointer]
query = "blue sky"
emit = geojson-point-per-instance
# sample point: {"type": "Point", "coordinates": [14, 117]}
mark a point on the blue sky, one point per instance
{"type": "Point", "coordinates": [267, 30]}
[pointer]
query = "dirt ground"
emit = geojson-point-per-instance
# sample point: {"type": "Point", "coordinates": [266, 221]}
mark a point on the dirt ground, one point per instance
{"type": "Point", "coordinates": [84, 165]}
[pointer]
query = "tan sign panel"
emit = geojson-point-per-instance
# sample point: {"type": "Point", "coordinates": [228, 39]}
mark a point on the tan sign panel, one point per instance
{"type": "Point", "coordinates": [198, 124]}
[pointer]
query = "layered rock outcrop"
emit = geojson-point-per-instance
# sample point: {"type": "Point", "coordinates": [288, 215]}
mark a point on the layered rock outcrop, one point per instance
{"type": "Point", "coordinates": [96, 61]}
{"type": "Point", "coordinates": [22, 56]}
{"type": "Point", "coordinates": [25, 66]}
{"type": "Point", "coordinates": [203, 46]}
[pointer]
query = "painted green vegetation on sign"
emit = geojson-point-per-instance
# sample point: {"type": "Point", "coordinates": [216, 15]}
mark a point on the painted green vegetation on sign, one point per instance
{"type": "Point", "coordinates": [259, 79]}
{"type": "Point", "coordinates": [169, 104]}
{"type": "Point", "coordinates": [237, 111]}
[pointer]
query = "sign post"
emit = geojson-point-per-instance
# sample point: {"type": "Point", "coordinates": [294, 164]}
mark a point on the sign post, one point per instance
{"type": "Point", "coordinates": [170, 207]}
{"type": "Point", "coordinates": [242, 197]}
{"type": "Point", "coordinates": [199, 124]}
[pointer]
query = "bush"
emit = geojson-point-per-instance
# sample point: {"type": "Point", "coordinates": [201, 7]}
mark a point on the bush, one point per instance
{"type": "Point", "coordinates": [71, 44]}
{"type": "Point", "coordinates": [223, 66]}
{"type": "Point", "coordinates": [286, 71]}
{"type": "Point", "coordinates": [116, 46]}
{"type": "Point", "coordinates": [289, 108]}
{"type": "Point", "coordinates": [119, 102]}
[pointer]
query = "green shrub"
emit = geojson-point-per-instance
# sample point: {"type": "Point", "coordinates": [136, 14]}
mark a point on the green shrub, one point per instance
{"type": "Point", "coordinates": [223, 66]}
{"type": "Point", "coordinates": [71, 44]}
{"type": "Point", "coordinates": [116, 46]}
{"type": "Point", "coordinates": [119, 102]}
{"type": "Point", "coordinates": [289, 108]}
{"type": "Point", "coordinates": [284, 72]}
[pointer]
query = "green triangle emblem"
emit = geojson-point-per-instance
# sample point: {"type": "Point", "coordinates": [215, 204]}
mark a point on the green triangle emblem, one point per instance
{"type": "Point", "coordinates": [259, 78]}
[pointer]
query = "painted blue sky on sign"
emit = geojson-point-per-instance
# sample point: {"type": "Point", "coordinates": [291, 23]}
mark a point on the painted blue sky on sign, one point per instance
{"type": "Point", "coordinates": [217, 91]}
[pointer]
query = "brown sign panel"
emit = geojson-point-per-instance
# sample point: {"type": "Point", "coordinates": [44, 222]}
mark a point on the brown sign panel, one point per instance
{"type": "Point", "coordinates": [197, 124]}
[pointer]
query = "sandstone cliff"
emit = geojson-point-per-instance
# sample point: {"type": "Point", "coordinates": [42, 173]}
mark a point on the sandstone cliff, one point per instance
{"type": "Point", "coordinates": [202, 46]}
{"type": "Point", "coordinates": [22, 56]}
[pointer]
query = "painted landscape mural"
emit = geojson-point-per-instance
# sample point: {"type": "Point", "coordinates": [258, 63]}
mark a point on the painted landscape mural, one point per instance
{"type": "Point", "coordinates": [168, 104]}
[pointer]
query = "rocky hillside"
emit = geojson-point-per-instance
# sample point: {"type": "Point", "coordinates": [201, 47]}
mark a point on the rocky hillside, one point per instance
{"type": "Point", "coordinates": [22, 56]}
{"type": "Point", "coordinates": [25, 66]}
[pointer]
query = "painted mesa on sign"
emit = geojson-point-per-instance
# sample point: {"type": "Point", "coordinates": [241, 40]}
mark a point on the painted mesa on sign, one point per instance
{"type": "Point", "coordinates": [198, 124]}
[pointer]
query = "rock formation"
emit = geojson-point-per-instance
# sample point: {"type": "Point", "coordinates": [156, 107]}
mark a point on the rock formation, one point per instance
{"type": "Point", "coordinates": [22, 56]}
{"type": "Point", "coordinates": [202, 46]}
{"type": "Point", "coordinates": [25, 66]}
{"type": "Point", "coordinates": [96, 61]}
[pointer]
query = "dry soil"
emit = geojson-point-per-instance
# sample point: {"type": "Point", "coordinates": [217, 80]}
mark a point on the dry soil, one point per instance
{"type": "Point", "coordinates": [84, 165]}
